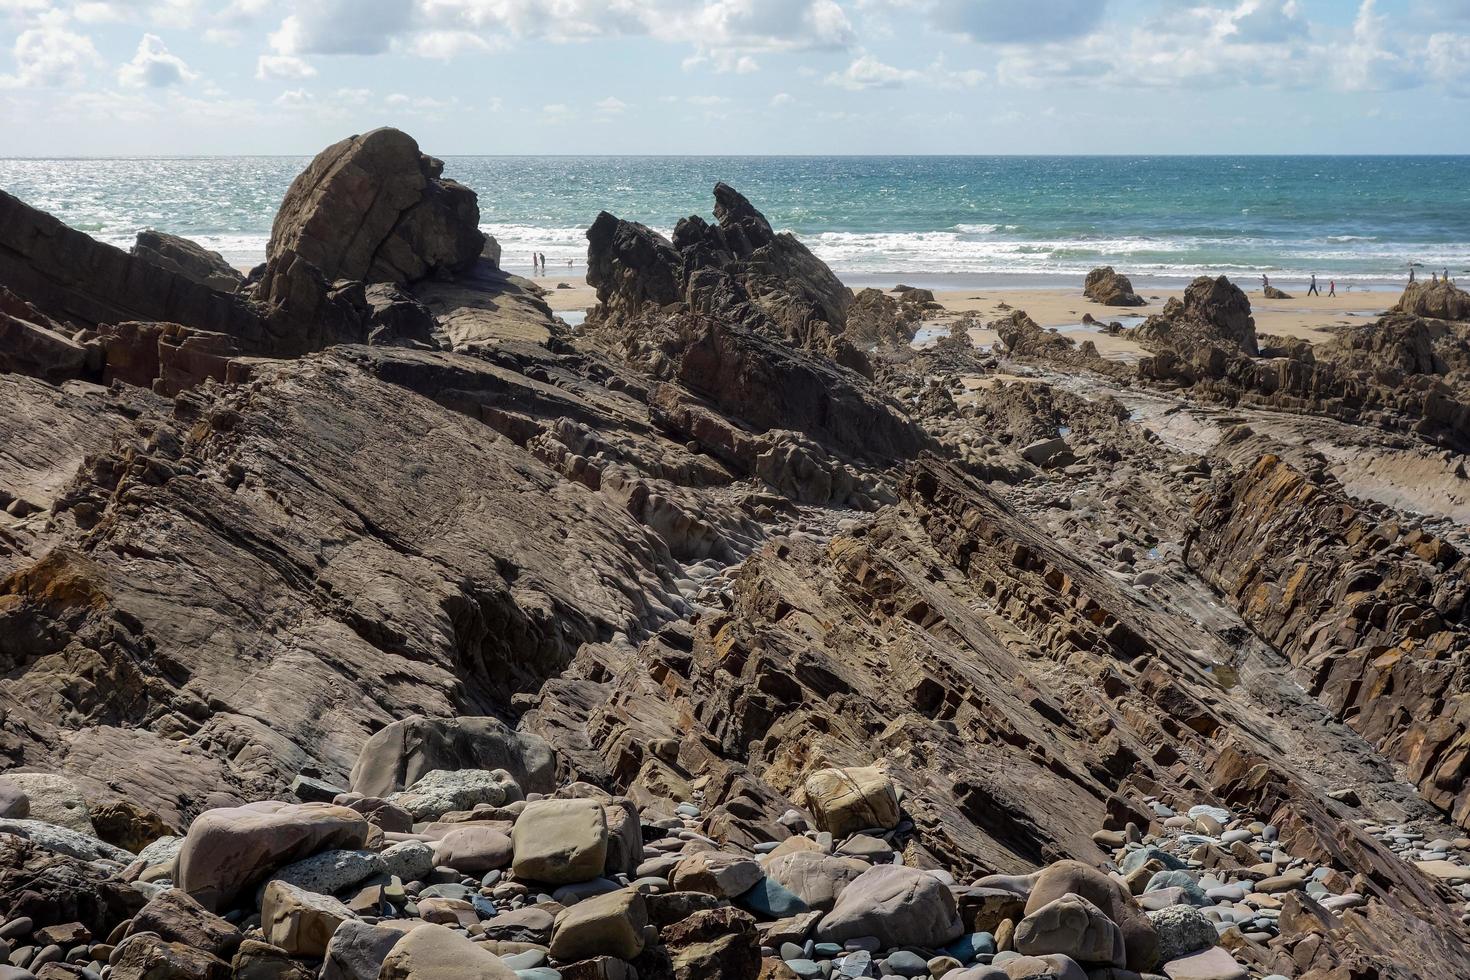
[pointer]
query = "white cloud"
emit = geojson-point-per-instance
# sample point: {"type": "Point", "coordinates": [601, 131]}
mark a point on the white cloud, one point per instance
{"type": "Point", "coordinates": [1267, 21]}
{"type": "Point", "coordinates": [1448, 61]}
{"type": "Point", "coordinates": [158, 13]}
{"type": "Point", "coordinates": [726, 35]}
{"type": "Point", "coordinates": [1014, 21]}
{"type": "Point", "coordinates": [154, 67]}
{"type": "Point", "coordinates": [50, 56]}
{"type": "Point", "coordinates": [282, 66]}
{"type": "Point", "coordinates": [867, 72]}
{"type": "Point", "coordinates": [783, 98]}
{"type": "Point", "coordinates": [612, 105]}
{"type": "Point", "coordinates": [1370, 61]}
{"type": "Point", "coordinates": [343, 27]}
{"type": "Point", "coordinates": [446, 45]}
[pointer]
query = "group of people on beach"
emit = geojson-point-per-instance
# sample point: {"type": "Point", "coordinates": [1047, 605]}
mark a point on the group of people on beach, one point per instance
{"type": "Point", "coordinates": [538, 263]}
{"type": "Point", "coordinates": [1433, 277]}
{"type": "Point", "coordinates": [1314, 290]}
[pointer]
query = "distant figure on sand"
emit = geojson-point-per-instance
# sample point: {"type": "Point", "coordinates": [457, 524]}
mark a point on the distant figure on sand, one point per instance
{"type": "Point", "coordinates": [1411, 273]}
{"type": "Point", "coordinates": [1312, 290]}
{"type": "Point", "coordinates": [1433, 278]}
{"type": "Point", "coordinates": [1265, 283]}
{"type": "Point", "coordinates": [1332, 287]}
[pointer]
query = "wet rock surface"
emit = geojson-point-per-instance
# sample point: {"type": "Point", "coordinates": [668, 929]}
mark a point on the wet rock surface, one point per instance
{"type": "Point", "coordinates": [368, 622]}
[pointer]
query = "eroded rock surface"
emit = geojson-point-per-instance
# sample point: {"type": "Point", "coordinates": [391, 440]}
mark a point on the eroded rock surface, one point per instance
{"type": "Point", "coordinates": [708, 631]}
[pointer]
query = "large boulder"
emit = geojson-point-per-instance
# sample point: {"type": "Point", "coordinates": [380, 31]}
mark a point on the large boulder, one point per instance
{"type": "Point", "coordinates": [1110, 288]}
{"type": "Point", "coordinates": [715, 873]}
{"type": "Point", "coordinates": [608, 925]}
{"type": "Point", "coordinates": [299, 921]}
{"type": "Point", "coordinates": [1072, 926]}
{"type": "Point", "coordinates": [176, 917]}
{"type": "Point", "coordinates": [713, 944]}
{"type": "Point", "coordinates": [434, 952]}
{"type": "Point", "coordinates": [817, 879]}
{"type": "Point", "coordinates": [473, 849]}
{"type": "Point", "coordinates": [1182, 930]}
{"type": "Point", "coordinates": [899, 905]}
{"type": "Point", "coordinates": [373, 208]}
{"type": "Point", "coordinates": [443, 790]}
{"type": "Point", "coordinates": [357, 950]}
{"type": "Point", "coordinates": [1440, 300]}
{"type": "Point", "coordinates": [230, 849]}
{"type": "Point", "coordinates": [402, 753]}
{"type": "Point", "coordinates": [188, 259]}
{"type": "Point", "coordinates": [149, 957]}
{"type": "Point", "coordinates": [1140, 942]}
{"type": "Point", "coordinates": [845, 801]}
{"type": "Point", "coordinates": [560, 842]}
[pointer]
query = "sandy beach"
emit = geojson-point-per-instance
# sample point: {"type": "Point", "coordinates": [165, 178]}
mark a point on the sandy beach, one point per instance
{"type": "Point", "coordinates": [1306, 318]}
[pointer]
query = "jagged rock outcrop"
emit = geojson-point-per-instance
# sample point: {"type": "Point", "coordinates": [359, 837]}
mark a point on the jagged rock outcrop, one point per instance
{"type": "Point", "coordinates": [1440, 300]}
{"type": "Point", "coordinates": [82, 282]}
{"type": "Point", "coordinates": [1213, 312]}
{"type": "Point", "coordinates": [189, 259]}
{"type": "Point", "coordinates": [375, 209]}
{"type": "Point", "coordinates": [1271, 292]}
{"type": "Point", "coordinates": [876, 318]}
{"type": "Point", "coordinates": [1110, 288]}
{"type": "Point", "coordinates": [1373, 616]}
{"type": "Point", "coordinates": [738, 270]}
{"type": "Point", "coordinates": [1399, 373]}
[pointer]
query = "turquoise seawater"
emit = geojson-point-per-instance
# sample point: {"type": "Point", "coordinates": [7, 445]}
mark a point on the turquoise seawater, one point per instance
{"type": "Point", "coordinates": [1021, 220]}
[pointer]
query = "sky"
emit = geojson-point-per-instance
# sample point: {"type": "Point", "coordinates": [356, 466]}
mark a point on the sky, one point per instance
{"type": "Point", "coordinates": [167, 77]}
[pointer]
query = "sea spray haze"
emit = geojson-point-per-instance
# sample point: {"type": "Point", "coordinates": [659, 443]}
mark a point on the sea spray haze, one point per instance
{"type": "Point", "coordinates": [1357, 219]}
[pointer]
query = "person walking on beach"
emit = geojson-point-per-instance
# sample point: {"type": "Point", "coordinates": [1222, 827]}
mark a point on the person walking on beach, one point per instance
{"type": "Point", "coordinates": [1265, 283]}
{"type": "Point", "coordinates": [1312, 290]}
{"type": "Point", "coordinates": [1411, 275]}
{"type": "Point", "coordinates": [1332, 287]}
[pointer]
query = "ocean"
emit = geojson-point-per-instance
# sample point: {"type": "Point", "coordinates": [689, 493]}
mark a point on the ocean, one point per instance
{"type": "Point", "coordinates": [939, 221]}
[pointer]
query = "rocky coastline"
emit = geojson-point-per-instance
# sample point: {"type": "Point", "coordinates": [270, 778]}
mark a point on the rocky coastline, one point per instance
{"type": "Point", "coordinates": [362, 619]}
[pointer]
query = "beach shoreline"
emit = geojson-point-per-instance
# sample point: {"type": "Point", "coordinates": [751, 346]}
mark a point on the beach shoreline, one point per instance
{"type": "Point", "coordinates": [1313, 319]}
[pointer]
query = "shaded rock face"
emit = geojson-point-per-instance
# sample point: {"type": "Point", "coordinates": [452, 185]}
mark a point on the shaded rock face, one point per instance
{"type": "Point", "coordinates": [83, 282]}
{"type": "Point", "coordinates": [1213, 311]}
{"type": "Point", "coordinates": [1440, 300]}
{"type": "Point", "coordinates": [373, 208]}
{"type": "Point", "coordinates": [188, 259]}
{"type": "Point", "coordinates": [1110, 288]}
{"type": "Point", "coordinates": [738, 270]}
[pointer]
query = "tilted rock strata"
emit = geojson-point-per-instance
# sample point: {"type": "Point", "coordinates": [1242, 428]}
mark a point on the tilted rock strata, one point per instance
{"type": "Point", "coordinates": [1363, 609]}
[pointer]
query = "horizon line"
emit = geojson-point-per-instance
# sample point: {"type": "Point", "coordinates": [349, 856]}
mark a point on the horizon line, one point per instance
{"type": "Point", "coordinates": [758, 156]}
